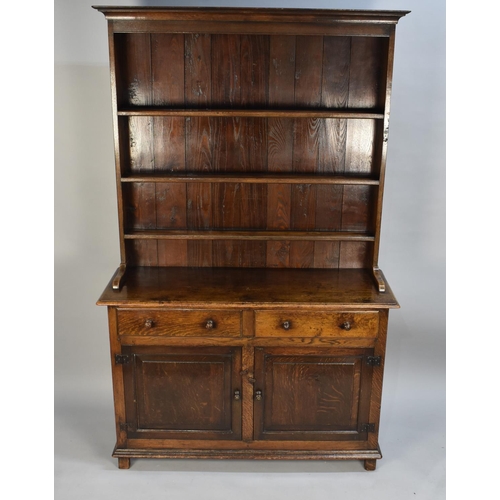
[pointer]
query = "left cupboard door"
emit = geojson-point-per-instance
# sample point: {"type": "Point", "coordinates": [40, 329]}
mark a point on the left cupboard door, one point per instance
{"type": "Point", "coordinates": [182, 392]}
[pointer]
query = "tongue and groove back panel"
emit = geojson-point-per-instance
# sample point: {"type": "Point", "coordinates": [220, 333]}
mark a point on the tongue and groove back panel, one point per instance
{"type": "Point", "coordinates": [254, 72]}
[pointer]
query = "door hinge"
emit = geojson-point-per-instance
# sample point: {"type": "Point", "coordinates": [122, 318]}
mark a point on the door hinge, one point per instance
{"type": "Point", "coordinates": [367, 428]}
{"type": "Point", "coordinates": [125, 427]}
{"type": "Point", "coordinates": [373, 360]}
{"type": "Point", "coordinates": [122, 359]}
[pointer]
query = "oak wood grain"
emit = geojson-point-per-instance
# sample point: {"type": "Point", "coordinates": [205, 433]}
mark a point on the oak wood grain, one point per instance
{"type": "Point", "coordinates": [290, 288]}
{"type": "Point", "coordinates": [317, 324]}
{"type": "Point", "coordinates": [179, 323]}
{"type": "Point", "coordinates": [199, 143]}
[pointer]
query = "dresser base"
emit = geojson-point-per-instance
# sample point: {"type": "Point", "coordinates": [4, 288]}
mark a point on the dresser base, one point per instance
{"type": "Point", "coordinates": [368, 456]}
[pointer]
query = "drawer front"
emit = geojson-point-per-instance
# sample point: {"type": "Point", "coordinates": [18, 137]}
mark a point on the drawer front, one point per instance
{"type": "Point", "coordinates": [316, 324]}
{"type": "Point", "coordinates": [175, 323]}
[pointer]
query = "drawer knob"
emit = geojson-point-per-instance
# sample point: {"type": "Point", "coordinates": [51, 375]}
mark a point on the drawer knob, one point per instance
{"type": "Point", "coordinates": [286, 325]}
{"type": "Point", "coordinates": [149, 323]}
{"type": "Point", "coordinates": [210, 324]}
{"type": "Point", "coordinates": [237, 395]}
{"type": "Point", "coordinates": [346, 325]}
{"type": "Point", "coordinates": [258, 395]}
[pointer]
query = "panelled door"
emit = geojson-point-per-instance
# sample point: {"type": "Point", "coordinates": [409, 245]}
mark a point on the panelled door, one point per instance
{"type": "Point", "coordinates": [312, 393]}
{"type": "Point", "coordinates": [182, 392]}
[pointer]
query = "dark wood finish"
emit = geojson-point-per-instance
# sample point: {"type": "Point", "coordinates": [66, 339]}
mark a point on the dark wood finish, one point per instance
{"type": "Point", "coordinates": [311, 394]}
{"type": "Point", "coordinates": [123, 463]}
{"type": "Point", "coordinates": [241, 288]}
{"type": "Point", "coordinates": [182, 451]}
{"type": "Point", "coordinates": [261, 178]}
{"type": "Point", "coordinates": [182, 393]}
{"type": "Point", "coordinates": [250, 113]}
{"type": "Point", "coordinates": [370, 464]}
{"type": "Point", "coordinates": [162, 340]}
{"type": "Point", "coordinates": [248, 316]}
{"type": "Point", "coordinates": [117, 378]}
{"type": "Point", "coordinates": [244, 235]}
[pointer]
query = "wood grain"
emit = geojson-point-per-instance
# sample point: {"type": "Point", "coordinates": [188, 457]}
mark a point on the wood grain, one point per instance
{"type": "Point", "coordinates": [309, 395]}
{"type": "Point", "coordinates": [247, 371]}
{"type": "Point", "coordinates": [177, 323]}
{"type": "Point", "coordinates": [334, 94]}
{"type": "Point", "coordinates": [308, 78]}
{"type": "Point", "coordinates": [180, 392]}
{"type": "Point", "coordinates": [317, 324]}
{"type": "Point", "coordinates": [199, 145]}
{"type": "Point", "coordinates": [117, 378]}
{"type": "Point", "coordinates": [247, 140]}
{"type": "Point", "coordinates": [262, 288]}
{"type": "Point", "coordinates": [280, 144]}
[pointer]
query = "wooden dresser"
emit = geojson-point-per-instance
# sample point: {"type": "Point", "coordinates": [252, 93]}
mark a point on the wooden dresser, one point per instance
{"type": "Point", "coordinates": [248, 316]}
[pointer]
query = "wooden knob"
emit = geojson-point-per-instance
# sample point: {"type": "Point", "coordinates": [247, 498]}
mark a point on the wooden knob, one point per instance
{"type": "Point", "coordinates": [149, 323]}
{"type": "Point", "coordinates": [210, 324]}
{"type": "Point", "coordinates": [346, 326]}
{"type": "Point", "coordinates": [286, 325]}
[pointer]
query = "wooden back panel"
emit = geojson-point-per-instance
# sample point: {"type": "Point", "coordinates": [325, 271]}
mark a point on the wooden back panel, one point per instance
{"type": "Point", "coordinates": [185, 171]}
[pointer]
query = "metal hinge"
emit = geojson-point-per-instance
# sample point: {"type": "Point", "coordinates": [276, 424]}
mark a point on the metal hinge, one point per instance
{"type": "Point", "coordinates": [122, 359]}
{"type": "Point", "coordinates": [373, 360]}
{"type": "Point", "coordinates": [367, 428]}
{"type": "Point", "coordinates": [124, 427]}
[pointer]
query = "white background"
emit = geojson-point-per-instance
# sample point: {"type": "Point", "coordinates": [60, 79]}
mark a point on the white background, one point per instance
{"type": "Point", "coordinates": [412, 258]}
{"type": "Point", "coordinates": [85, 241]}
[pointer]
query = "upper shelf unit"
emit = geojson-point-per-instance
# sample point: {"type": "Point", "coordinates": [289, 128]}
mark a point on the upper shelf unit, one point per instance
{"type": "Point", "coordinates": [250, 138]}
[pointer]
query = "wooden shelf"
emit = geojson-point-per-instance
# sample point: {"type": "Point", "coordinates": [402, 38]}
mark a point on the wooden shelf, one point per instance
{"type": "Point", "coordinates": [264, 178]}
{"type": "Point", "coordinates": [255, 113]}
{"type": "Point", "coordinates": [176, 234]}
{"type": "Point", "coordinates": [179, 286]}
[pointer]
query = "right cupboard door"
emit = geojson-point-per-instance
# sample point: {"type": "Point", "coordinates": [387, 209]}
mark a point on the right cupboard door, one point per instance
{"type": "Point", "coordinates": [312, 394]}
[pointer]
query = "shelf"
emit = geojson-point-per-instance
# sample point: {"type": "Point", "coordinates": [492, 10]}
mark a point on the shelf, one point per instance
{"type": "Point", "coordinates": [176, 234]}
{"type": "Point", "coordinates": [232, 287]}
{"type": "Point", "coordinates": [264, 178]}
{"type": "Point", "coordinates": [255, 113]}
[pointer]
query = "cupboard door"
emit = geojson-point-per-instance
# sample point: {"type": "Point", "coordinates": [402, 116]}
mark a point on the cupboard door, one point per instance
{"type": "Point", "coordinates": [183, 393]}
{"type": "Point", "coordinates": [311, 394]}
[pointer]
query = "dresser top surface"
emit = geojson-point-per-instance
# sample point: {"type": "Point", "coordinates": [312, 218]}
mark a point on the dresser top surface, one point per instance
{"type": "Point", "coordinates": [232, 287]}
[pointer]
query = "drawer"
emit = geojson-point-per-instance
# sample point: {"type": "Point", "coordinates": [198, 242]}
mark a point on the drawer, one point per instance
{"type": "Point", "coordinates": [316, 324]}
{"type": "Point", "coordinates": [179, 323]}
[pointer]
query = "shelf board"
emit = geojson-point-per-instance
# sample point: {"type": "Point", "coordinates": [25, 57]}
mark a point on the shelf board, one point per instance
{"type": "Point", "coordinates": [233, 288]}
{"type": "Point", "coordinates": [264, 178]}
{"type": "Point", "coordinates": [255, 113]}
{"type": "Point", "coordinates": [179, 234]}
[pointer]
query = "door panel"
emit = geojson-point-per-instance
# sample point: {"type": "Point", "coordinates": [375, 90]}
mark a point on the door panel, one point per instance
{"type": "Point", "coordinates": [312, 394]}
{"type": "Point", "coordinates": [183, 393]}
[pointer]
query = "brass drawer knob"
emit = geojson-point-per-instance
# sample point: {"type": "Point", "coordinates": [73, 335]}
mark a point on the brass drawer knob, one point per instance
{"type": "Point", "coordinates": [209, 324]}
{"type": "Point", "coordinates": [346, 325]}
{"type": "Point", "coordinates": [258, 395]}
{"type": "Point", "coordinates": [149, 323]}
{"type": "Point", "coordinates": [286, 325]}
{"type": "Point", "coordinates": [237, 395]}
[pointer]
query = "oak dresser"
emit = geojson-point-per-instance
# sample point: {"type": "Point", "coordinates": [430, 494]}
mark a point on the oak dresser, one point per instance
{"type": "Point", "coordinates": [248, 316]}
